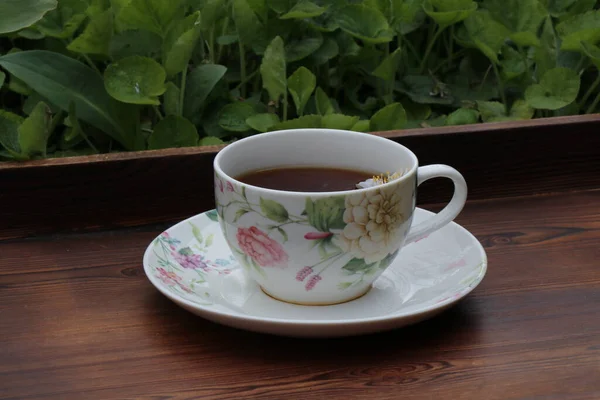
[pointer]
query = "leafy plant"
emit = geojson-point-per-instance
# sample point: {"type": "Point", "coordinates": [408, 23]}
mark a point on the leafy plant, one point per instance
{"type": "Point", "coordinates": [96, 76]}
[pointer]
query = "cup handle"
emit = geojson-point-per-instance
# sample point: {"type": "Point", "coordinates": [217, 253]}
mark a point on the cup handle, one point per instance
{"type": "Point", "coordinates": [451, 210]}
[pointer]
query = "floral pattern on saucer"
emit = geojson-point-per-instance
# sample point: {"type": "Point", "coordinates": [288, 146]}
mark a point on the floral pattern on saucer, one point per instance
{"type": "Point", "coordinates": [188, 258]}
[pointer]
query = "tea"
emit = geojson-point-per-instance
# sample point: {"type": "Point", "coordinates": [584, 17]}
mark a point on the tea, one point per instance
{"type": "Point", "coordinates": [306, 179]}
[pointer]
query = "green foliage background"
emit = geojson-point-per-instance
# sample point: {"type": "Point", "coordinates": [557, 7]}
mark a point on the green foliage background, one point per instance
{"type": "Point", "coordinates": [95, 76]}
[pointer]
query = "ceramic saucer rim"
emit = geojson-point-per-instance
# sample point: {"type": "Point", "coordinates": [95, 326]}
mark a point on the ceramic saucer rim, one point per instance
{"type": "Point", "coordinates": [306, 322]}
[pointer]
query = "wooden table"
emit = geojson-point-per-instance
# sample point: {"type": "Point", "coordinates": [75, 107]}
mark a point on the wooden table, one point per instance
{"type": "Point", "coordinates": [79, 319]}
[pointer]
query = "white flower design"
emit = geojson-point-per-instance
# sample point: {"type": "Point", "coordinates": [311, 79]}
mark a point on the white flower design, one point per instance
{"type": "Point", "coordinates": [373, 220]}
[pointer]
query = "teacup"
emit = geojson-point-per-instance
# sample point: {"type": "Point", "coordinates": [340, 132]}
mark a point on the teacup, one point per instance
{"type": "Point", "coordinates": [323, 248]}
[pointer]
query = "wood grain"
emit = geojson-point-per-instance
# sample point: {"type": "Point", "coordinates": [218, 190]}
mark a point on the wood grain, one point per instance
{"type": "Point", "coordinates": [80, 320]}
{"type": "Point", "coordinates": [131, 189]}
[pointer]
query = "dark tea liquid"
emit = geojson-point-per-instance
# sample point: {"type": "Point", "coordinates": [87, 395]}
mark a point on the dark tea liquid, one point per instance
{"type": "Point", "coordinates": [306, 179]}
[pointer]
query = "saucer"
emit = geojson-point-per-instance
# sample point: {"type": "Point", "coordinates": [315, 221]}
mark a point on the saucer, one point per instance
{"type": "Point", "coordinates": [191, 264]}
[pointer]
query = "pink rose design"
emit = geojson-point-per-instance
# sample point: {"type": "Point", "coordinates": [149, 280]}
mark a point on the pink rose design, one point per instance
{"type": "Point", "coordinates": [168, 278]}
{"type": "Point", "coordinates": [265, 251]}
{"type": "Point", "coordinates": [303, 273]}
{"type": "Point", "coordinates": [229, 187]}
{"type": "Point", "coordinates": [219, 184]}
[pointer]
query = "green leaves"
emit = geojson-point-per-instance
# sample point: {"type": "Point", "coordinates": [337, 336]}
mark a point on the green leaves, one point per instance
{"type": "Point", "coordinates": [136, 80]}
{"type": "Point", "coordinates": [200, 83]}
{"type": "Point", "coordinates": [449, 12]}
{"type": "Point", "coordinates": [152, 15]}
{"type": "Point", "coordinates": [248, 26]}
{"type": "Point", "coordinates": [464, 116]}
{"type": "Point", "coordinates": [262, 122]}
{"type": "Point", "coordinates": [326, 214]}
{"type": "Point", "coordinates": [301, 85]}
{"type": "Point", "coordinates": [26, 138]}
{"type": "Point", "coordinates": [173, 131]}
{"type": "Point", "coordinates": [44, 72]}
{"type": "Point", "coordinates": [273, 70]}
{"type": "Point", "coordinates": [521, 17]}
{"type": "Point", "coordinates": [557, 88]}
{"type": "Point", "coordinates": [390, 117]}
{"type": "Point", "coordinates": [365, 23]}
{"type": "Point", "coordinates": [304, 9]}
{"type": "Point", "coordinates": [19, 14]}
{"type": "Point", "coordinates": [182, 42]}
{"type": "Point", "coordinates": [273, 210]}
{"type": "Point", "coordinates": [493, 111]}
{"type": "Point", "coordinates": [96, 37]}
{"type": "Point", "coordinates": [579, 28]}
{"type": "Point", "coordinates": [487, 34]}
{"type": "Point", "coordinates": [233, 117]}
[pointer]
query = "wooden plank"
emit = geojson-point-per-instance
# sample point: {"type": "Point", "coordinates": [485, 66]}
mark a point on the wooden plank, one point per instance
{"type": "Point", "coordinates": [129, 189]}
{"type": "Point", "coordinates": [80, 319]}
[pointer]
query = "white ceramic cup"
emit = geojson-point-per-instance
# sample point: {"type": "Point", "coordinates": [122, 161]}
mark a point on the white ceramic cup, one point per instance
{"type": "Point", "coordinates": [322, 248]}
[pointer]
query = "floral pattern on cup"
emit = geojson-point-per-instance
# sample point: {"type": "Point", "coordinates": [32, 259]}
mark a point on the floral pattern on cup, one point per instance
{"type": "Point", "coordinates": [360, 229]}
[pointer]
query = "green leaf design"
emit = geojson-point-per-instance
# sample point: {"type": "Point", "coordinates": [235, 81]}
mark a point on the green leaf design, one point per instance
{"type": "Point", "coordinates": [301, 85]}
{"type": "Point", "coordinates": [579, 28]}
{"type": "Point", "coordinates": [388, 67]}
{"type": "Point", "coordinates": [34, 131]}
{"type": "Point", "coordinates": [233, 117]}
{"type": "Point", "coordinates": [197, 233]}
{"type": "Point", "coordinates": [557, 88]}
{"type": "Point", "coordinates": [96, 37]}
{"type": "Point", "coordinates": [449, 12]}
{"type": "Point", "coordinates": [306, 121]}
{"type": "Point", "coordinates": [365, 23]}
{"type": "Point", "coordinates": [212, 215]}
{"type": "Point", "coordinates": [209, 240]}
{"type": "Point", "coordinates": [486, 33]}
{"type": "Point", "coordinates": [273, 70]}
{"type": "Point", "coordinates": [171, 99]}
{"type": "Point", "coordinates": [180, 50]}
{"type": "Point", "coordinates": [44, 71]}
{"type": "Point", "coordinates": [200, 83]}
{"type": "Point", "coordinates": [210, 141]}
{"type": "Point", "coordinates": [326, 214]}
{"type": "Point", "coordinates": [388, 260]}
{"type": "Point", "coordinates": [262, 122]}
{"type": "Point", "coordinates": [135, 80]}
{"type": "Point", "coordinates": [173, 131]}
{"type": "Point", "coordinates": [521, 17]}
{"type": "Point", "coordinates": [304, 9]}
{"type": "Point", "coordinates": [239, 214]}
{"type": "Point", "coordinates": [338, 121]}
{"type": "Point", "coordinates": [322, 102]}
{"type": "Point", "coordinates": [463, 116]}
{"type": "Point", "coordinates": [273, 210]}
{"type": "Point", "coordinates": [151, 15]}
{"type": "Point", "coordinates": [390, 117]}
{"type": "Point", "coordinates": [356, 265]}
{"type": "Point", "coordinates": [283, 234]}
{"type": "Point", "coordinates": [19, 14]}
